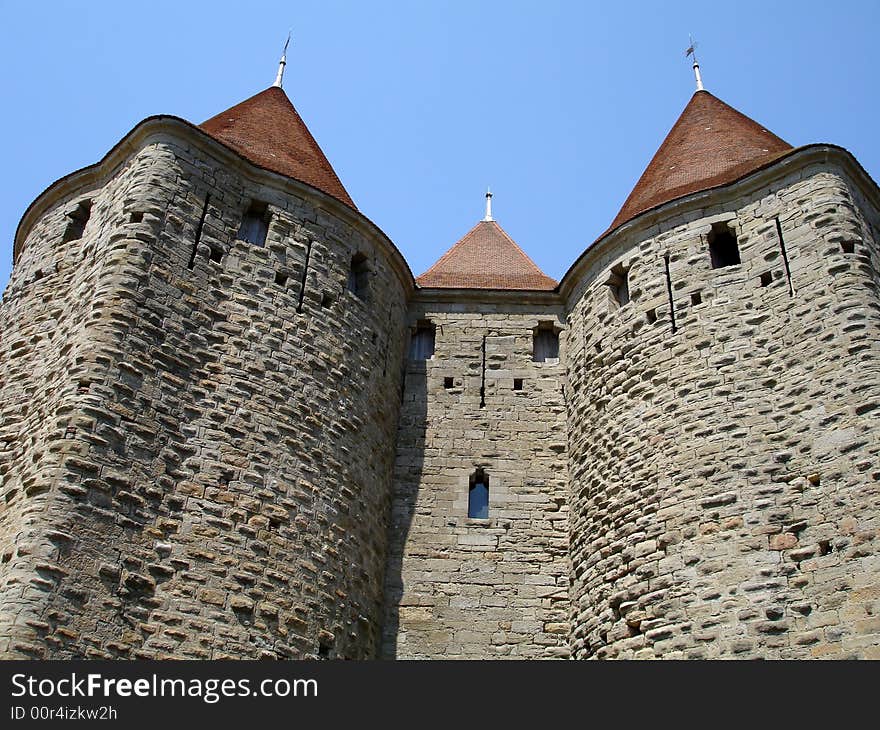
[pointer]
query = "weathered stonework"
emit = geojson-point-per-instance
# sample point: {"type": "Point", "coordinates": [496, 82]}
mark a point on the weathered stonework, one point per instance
{"type": "Point", "coordinates": [480, 588]}
{"type": "Point", "coordinates": [725, 482]}
{"type": "Point", "coordinates": [196, 464]}
{"type": "Point", "coordinates": [214, 448]}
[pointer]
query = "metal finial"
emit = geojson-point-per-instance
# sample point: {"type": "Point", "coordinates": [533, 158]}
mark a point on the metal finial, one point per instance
{"type": "Point", "coordinates": [692, 51]}
{"type": "Point", "coordinates": [488, 206]}
{"type": "Point", "coordinates": [280, 77]}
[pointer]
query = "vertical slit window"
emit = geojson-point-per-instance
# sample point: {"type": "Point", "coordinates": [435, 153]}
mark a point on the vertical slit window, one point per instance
{"type": "Point", "coordinates": [784, 257]}
{"type": "Point", "coordinates": [199, 228]}
{"type": "Point", "coordinates": [478, 496]}
{"type": "Point", "coordinates": [669, 292]}
{"type": "Point", "coordinates": [255, 224]}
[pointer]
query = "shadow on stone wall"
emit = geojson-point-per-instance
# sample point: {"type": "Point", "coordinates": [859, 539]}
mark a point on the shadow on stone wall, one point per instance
{"type": "Point", "coordinates": [408, 467]}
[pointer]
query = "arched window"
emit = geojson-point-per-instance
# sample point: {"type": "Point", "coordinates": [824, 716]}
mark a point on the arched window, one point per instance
{"type": "Point", "coordinates": [478, 496]}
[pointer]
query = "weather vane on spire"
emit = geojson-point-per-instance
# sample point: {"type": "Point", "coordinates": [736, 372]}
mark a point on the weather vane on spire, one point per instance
{"type": "Point", "coordinates": [488, 206]}
{"type": "Point", "coordinates": [280, 77]}
{"type": "Point", "coordinates": [692, 51]}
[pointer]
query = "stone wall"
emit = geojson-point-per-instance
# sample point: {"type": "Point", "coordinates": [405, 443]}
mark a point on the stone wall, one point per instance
{"type": "Point", "coordinates": [197, 434]}
{"type": "Point", "coordinates": [724, 477]}
{"type": "Point", "coordinates": [196, 459]}
{"type": "Point", "coordinates": [47, 306]}
{"type": "Point", "coordinates": [474, 588]}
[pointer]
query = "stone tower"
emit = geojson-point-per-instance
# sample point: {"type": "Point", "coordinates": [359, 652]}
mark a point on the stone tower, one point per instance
{"type": "Point", "coordinates": [234, 425]}
{"type": "Point", "coordinates": [201, 356]}
{"type": "Point", "coordinates": [481, 406]}
{"type": "Point", "coordinates": [724, 380]}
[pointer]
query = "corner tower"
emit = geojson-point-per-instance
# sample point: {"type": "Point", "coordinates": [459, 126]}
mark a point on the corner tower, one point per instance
{"type": "Point", "coordinates": [197, 326]}
{"type": "Point", "coordinates": [724, 382]}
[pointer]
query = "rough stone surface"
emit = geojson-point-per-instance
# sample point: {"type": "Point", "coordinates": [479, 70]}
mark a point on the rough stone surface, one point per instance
{"type": "Point", "coordinates": [191, 466]}
{"type": "Point", "coordinates": [724, 478]}
{"type": "Point", "coordinates": [473, 588]}
{"type": "Point", "coordinates": [202, 458]}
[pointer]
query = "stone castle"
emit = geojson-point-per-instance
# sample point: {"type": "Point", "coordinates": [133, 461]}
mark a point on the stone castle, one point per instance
{"type": "Point", "coordinates": [235, 426]}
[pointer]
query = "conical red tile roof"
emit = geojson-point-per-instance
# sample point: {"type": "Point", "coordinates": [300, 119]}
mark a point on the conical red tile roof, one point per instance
{"type": "Point", "coordinates": [486, 258]}
{"type": "Point", "coordinates": [711, 144]}
{"type": "Point", "coordinates": [269, 132]}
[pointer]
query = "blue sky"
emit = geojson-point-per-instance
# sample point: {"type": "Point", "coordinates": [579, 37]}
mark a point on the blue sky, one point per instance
{"type": "Point", "coordinates": [558, 105]}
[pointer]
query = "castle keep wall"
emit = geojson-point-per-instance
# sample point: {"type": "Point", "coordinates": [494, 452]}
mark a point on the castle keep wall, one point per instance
{"type": "Point", "coordinates": [724, 477]}
{"type": "Point", "coordinates": [480, 588]}
{"type": "Point", "coordinates": [197, 451]}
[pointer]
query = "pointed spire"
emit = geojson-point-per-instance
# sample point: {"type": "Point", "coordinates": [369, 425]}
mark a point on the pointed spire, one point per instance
{"type": "Point", "coordinates": [269, 132]}
{"type": "Point", "coordinates": [279, 78]}
{"type": "Point", "coordinates": [488, 217]}
{"type": "Point", "coordinates": [486, 258]}
{"type": "Point", "coordinates": [711, 144]}
{"type": "Point", "coordinates": [692, 51]}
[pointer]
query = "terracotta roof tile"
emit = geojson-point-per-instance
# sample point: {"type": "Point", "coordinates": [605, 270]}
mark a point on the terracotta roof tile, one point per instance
{"type": "Point", "coordinates": [486, 258]}
{"type": "Point", "coordinates": [711, 144]}
{"type": "Point", "coordinates": [269, 132]}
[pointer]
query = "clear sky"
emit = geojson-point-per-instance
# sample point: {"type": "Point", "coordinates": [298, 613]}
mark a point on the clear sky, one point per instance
{"type": "Point", "coordinates": [557, 104]}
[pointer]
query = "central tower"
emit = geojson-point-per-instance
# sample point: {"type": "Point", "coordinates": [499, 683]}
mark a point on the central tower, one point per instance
{"type": "Point", "coordinates": [478, 564]}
